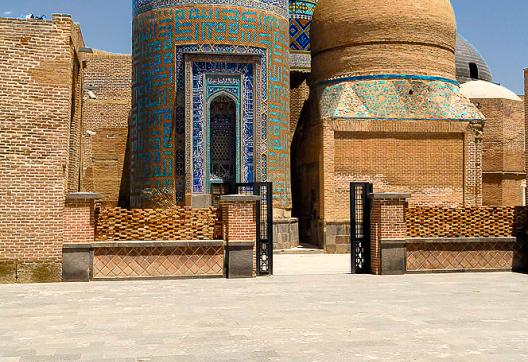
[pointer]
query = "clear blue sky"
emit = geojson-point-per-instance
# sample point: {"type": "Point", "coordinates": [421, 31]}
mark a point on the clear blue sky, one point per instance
{"type": "Point", "coordinates": [498, 28]}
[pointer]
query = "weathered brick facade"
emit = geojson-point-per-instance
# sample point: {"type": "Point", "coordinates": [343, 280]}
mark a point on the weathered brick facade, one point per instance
{"type": "Point", "coordinates": [105, 122]}
{"type": "Point", "coordinates": [503, 151]}
{"type": "Point", "coordinates": [39, 130]}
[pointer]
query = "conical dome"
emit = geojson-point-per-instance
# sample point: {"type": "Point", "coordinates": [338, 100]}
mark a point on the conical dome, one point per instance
{"type": "Point", "coordinates": [368, 37]}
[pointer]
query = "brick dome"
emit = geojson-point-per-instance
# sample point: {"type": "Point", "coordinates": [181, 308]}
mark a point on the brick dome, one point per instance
{"type": "Point", "coordinates": [368, 37]}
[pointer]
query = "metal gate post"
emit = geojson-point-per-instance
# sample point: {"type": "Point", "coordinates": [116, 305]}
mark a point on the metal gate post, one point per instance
{"type": "Point", "coordinates": [360, 210]}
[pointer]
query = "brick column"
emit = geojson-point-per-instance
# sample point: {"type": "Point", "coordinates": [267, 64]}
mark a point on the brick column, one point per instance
{"type": "Point", "coordinates": [79, 217]}
{"type": "Point", "coordinates": [388, 231]}
{"type": "Point", "coordinates": [79, 230]}
{"type": "Point", "coordinates": [240, 233]}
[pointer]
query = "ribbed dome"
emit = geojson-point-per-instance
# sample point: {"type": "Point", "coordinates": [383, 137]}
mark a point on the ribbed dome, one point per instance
{"type": "Point", "coordinates": [466, 54]}
{"type": "Point", "coordinates": [364, 37]}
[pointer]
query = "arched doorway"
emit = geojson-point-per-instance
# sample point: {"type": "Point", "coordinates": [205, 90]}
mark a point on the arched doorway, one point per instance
{"type": "Point", "coordinates": [223, 156]}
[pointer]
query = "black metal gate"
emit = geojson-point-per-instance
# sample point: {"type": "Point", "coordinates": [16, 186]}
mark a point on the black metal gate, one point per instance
{"type": "Point", "coordinates": [360, 207]}
{"type": "Point", "coordinates": [264, 218]}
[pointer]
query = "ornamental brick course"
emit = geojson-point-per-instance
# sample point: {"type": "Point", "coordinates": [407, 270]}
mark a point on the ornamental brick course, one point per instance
{"type": "Point", "coordinates": [178, 223]}
{"type": "Point", "coordinates": [466, 222]}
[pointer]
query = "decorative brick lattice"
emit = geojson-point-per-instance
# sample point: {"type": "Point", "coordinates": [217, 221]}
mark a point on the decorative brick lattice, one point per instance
{"type": "Point", "coordinates": [157, 224]}
{"type": "Point", "coordinates": [465, 222]}
{"type": "Point", "coordinates": [141, 262]}
{"type": "Point", "coordinates": [466, 256]}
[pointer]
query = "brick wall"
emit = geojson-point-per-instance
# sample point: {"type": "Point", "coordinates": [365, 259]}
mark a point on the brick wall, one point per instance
{"type": "Point", "coordinates": [108, 77]}
{"type": "Point", "coordinates": [427, 239]}
{"type": "Point", "coordinates": [503, 156]}
{"type": "Point", "coordinates": [466, 239]}
{"type": "Point", "coordinates": [38, 80]}
{"type": "Point", "coordinates": [437, 162]}
{"type": "Point", "coordinates": [427, 165]}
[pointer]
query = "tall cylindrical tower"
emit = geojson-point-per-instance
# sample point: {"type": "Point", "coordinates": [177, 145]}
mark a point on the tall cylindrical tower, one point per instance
{"type": "Point", "coordinates": [210, 99]}
{"type": "Point", "coordinates": [364, 37]}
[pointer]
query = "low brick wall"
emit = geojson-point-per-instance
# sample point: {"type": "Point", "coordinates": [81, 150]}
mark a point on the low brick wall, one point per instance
{"type": "Point", "coordinates": [466, 239]}
{"type": "Point", "coordinates": [428, 222]}
{"type": "Point", "coordinates": [158, 260]}
{"type": "Point", "coordinates": [179, 223]}
{"type": "Point", "coordinates": [143, 259]}
{"type": "Point", "coordinates": [466, 254]}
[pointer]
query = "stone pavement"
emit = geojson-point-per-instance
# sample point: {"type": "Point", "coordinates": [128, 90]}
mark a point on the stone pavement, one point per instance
{"type": "Point", "coordinates": [311, 264]}
{"type": "Point", "coordinates": [464, 317]}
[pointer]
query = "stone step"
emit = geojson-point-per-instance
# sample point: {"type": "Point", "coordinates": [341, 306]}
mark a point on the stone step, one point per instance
{"type": "Point", "coordinates": [301, 249]}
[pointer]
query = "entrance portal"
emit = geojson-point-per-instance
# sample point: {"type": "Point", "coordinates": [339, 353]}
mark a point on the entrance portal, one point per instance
{"type": "Point", "coordinates": [223, 143]}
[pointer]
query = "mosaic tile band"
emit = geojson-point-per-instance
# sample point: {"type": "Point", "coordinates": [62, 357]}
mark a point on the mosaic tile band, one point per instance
{"type": "Point", "coordinates": [276, 6]}
{"type": "Point", "coordinates": [302, 9]}
{"type": "Point", "coordinates": [405, 98]}
{"type": "Point", "coordinates": [388, 77]}
{"type": "Point", "coordinates": [300, 61]}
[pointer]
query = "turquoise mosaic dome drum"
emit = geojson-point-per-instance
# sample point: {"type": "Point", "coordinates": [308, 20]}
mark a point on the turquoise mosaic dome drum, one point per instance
{"type": "Point", "coordinates": [210, 98]}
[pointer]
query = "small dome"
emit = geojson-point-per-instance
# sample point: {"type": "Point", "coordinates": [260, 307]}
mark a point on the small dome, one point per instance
{"type": "Point", "coordinates": [479, 89]}
{"type": "Point", "coordinates": [470, 65]}
{"type": "Point", "coordinates": [368, 37]}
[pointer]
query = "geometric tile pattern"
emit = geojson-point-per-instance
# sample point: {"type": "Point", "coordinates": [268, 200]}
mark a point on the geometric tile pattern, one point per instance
{"type": "Point", "coordinates": [157, 129]}
{"type": "Point", "coordinates": [466, 256]}
{"type": "Point", "coordinates": [301, 12]}
{"type": "Point", "coordinates": [466, 222]}
{"type": "Point", "coordinates": [201, 132]}
{"type": "Point", "coordinates": [252, 81]}
{"type": "Point", "coordinates": [395, 97]}
{"type": "Point", "coordinates": [144, 262]}
{"type": "Point", "coordinates": [300, 34]}
{"type": "Point", "coordinates": [275, 6]}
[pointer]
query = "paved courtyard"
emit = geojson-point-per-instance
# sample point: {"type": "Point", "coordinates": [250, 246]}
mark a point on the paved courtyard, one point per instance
{"type": "Point", "coordinates": [465, 317]}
